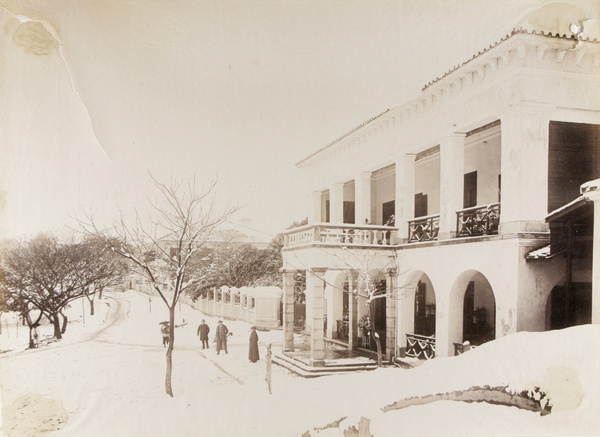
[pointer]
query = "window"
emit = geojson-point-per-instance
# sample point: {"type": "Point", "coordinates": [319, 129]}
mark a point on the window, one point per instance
{"type": "Point", "coordinates": [470, 190]}
{"type": "Point", "coordinates": [420, 205]}
{"type": "Point", "coordinates": [348, 212]}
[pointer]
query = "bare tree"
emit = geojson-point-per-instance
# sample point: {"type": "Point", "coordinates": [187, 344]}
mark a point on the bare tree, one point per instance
{"type": "Point", "coordinates": [46, 274]}
{"type": "Point", "coordinates": [164, 252]}
{"type": "Point", "coordinates": [100, 268]}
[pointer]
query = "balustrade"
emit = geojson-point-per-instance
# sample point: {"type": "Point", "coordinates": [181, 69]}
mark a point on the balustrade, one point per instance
{"type": "Point", "coordinates": [424, 228]}
{"type": "Point", "coordinates": [420, 346]}
{"type": "Point", "coordinates": [478, 220]}
{"type": "Point", "coordinates": [365, 235]}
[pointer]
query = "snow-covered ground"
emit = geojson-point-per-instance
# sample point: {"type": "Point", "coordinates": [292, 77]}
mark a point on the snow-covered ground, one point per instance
{"type": "Point", "coordinates": [106, 378]}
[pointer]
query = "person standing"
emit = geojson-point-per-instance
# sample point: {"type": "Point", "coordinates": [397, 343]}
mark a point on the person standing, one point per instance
{"type": "Point", "coordinates": [253, 354]}
{"type": "Point", "coordinates": [203, 331]}
{"type": "Point", "coordinates": [165, 331]}
{"type": "Point", "coordinates": [221, 337]}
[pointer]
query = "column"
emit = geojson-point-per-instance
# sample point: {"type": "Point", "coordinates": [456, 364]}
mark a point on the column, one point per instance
{"type": "Point", "coordinates": [591, 190]}
{"type": "Point", "coordinates": [524, 169]}
{"type": "Point", "coordinates": [447, 328]}
{"type": "Point", "coordinates": [452, 157]}
{"type": "Point", "coordinates": [390, 313]}
{"type": "Point", "coordinates": [362, 195]}
{"type": "Point", "coordinates": [315, 284]}
{"type": "Point", "coordinates": [316, 213]}
{"type": "Point", "coordinates": [336, 203]}
{"type": "Point", "coordinates": [405, 194]}
{"type": "Point", "coordinates": [288, 310]}
{"type": "Point", "coordinates": [352, 314]}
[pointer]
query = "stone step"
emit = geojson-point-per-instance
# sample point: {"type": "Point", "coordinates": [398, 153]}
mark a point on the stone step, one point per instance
{"type": "Point", "coordinates": [307, 371]}
{"type": "Point", "coordinates": [408, 362]}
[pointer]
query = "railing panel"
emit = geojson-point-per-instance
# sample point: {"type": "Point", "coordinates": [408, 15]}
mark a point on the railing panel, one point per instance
{"type": "Point", "coordinates": [365, 235]}
{"type": "Point", "coordinates": [424, 228]}
{"type": "Point", "coordinates": [420, 346]}
{"type": "Point", "coordinates": [479, 220]}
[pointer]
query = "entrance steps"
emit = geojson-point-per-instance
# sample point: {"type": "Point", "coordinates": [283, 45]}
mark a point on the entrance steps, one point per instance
{"type": "Point", "coordinates": [408, 362]}
{"type": "Point", "coordinates": [301, 367]}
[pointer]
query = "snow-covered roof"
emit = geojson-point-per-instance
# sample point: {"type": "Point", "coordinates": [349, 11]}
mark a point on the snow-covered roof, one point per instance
{"type": "Point", "coordinates": [542, 253]}
{"type": "Point", "coordinates": [567, 208]}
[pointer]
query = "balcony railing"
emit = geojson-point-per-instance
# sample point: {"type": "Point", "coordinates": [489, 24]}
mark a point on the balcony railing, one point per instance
{"type": "Point", "coordinates": [420, 346]}
{"type": "Point", "coordinates": [424, 228]}
{"type": "Point", "coordinates": [478, 220]}
{"type": "Point", "coordinates": [347, 234]}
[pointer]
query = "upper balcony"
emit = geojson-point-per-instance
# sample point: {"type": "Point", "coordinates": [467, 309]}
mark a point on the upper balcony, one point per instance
{"type": "Point", "coordinates": [328, 234]}
{"type": "Point", "coordinates": [470, 222]}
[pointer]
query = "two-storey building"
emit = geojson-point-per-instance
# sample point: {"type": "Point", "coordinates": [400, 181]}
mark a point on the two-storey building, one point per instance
{"type": "Point", "coordinates": [440, 204]}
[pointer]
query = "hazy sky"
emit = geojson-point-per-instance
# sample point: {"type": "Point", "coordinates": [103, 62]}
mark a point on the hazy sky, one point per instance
{"type": "Point", "coordinates": [105, 91]}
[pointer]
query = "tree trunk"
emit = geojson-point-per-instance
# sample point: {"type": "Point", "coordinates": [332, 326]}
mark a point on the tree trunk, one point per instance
{"type": "Point", "coordinates": [100, 294]}
{"type": "Point", "coordinates": [375, 336]}
{"type": "Point", "coordinates": [56, 324]}
{"type": "Point", "coordinates": [31, 342]}
{"type": "Point", "coordinates": [92, 307]}
{"type": "Point", "coordinates": [268, 375]}
{"type": "Point", "coordinates": [168, 387]}
{"type": "Point", "coordinates": [379, 354]}
{"type": "Point", "coordinates": [64, 326]}
{"type": "Point", "coordinates": [1, 323]}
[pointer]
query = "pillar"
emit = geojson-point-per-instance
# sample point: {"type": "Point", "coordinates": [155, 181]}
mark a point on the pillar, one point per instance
{"type": "Point", "coordinates": [524, 141]}
{"type": "Point", "coordinates": [390, 313]}
{"type": "Point", "coordinates": [288, 310]}
{"type": "Point", "coordinates": [591, 190]}
{"type": "Point", "coordinates": [352, 314]}
{"type": "Point", "coordinates": [315, 285]}
{"type": "Point", "coordinates": [336, 203]}
{"type": "Point", "coordinates": [452, 158]}
{"type": "Point", "coordinates": [362, 195]}
{"type": "Point", "coordinates": [405, 194]}
{"type": "Point", "coordinates": [316, 203]}
{"type": "Point", "coordinates": [448, 325]}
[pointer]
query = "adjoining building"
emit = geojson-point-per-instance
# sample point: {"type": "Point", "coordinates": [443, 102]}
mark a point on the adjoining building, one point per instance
{"type": "Point", "coordinates": [441, 204]}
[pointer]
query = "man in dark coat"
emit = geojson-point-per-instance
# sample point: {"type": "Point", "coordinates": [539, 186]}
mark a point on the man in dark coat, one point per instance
{"type": "Point", "coordinates": [221, 337]}
{"type": "Point", "coordinates": [253, 355]}
{"type": "Point", "coordinates": [203, 331]}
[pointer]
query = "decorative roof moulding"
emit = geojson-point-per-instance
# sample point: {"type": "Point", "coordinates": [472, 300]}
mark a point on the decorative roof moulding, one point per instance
{"type": "Point", "coordinates": [437, 90]}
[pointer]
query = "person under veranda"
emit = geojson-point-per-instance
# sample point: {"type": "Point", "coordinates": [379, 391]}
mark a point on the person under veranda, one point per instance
{"type": "Point", "coordinates": [221, 337]}
{"type": "Point", "coordinates": [253, 354]}
{"type": "Point", "coordinates": [203, 331]}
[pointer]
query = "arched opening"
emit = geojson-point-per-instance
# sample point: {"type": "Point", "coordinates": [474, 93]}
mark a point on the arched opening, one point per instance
{"type": "Point", "coordinates": [479, 311]}
{"type": "Point", "coordinates": [569, 305]}
{"type": "Point", "coordinates": [424, 312]}
{"type": "Point", "coordinates": [378, 309]}
{"type": "Point", "coordinates": [336, 305]}
{"type": "Point", "coordinates": [418, 317]}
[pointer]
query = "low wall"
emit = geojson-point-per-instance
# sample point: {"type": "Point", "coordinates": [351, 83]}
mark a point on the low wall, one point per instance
{"type": "Point", "coordinates": [260, 306]}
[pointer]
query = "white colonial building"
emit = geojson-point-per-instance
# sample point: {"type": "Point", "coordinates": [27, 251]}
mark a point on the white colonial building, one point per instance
{"type": "Point", "coordinates": [464, 177]}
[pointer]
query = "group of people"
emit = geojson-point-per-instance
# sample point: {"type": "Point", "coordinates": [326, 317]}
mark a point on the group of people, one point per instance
{"type": "Point", "coordinates": [221, 334]}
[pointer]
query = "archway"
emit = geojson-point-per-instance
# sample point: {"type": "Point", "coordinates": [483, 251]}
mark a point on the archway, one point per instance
{"type": "Point", "coordinates": [417, 314]}
{"type": "Point", "coordinates": [424, 307]}
{"type": "Point", "coordinates": [336, 305]}
{"type": "Point", "coordinates": [377, 311]}
{"type": "Point", "coordinates": [473, 310]}
{"type": "Point", "coordinates": [569, 305]}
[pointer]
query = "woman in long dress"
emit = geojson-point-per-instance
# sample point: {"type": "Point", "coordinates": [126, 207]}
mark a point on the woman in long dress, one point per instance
{"type": "Point", "coordinates": [253, 355]}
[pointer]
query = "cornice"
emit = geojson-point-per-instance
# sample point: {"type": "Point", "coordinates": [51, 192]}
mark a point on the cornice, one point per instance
{"type": "Point", "coordinates": [502, 53]}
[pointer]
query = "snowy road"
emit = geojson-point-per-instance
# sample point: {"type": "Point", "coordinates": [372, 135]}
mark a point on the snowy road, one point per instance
{"type": "Point", "coordinates": [116, 363]}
